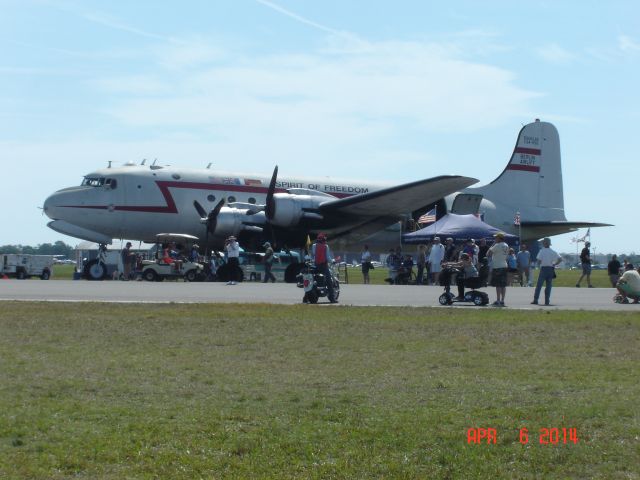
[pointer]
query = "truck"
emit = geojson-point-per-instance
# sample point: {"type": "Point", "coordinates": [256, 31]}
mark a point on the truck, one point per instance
{"type": "Point", "coordinates": [23, 266]}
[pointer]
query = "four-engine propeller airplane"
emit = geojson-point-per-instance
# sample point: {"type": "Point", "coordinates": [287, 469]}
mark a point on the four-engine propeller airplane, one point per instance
{"type": "Point", "coordinates": [137, 202]}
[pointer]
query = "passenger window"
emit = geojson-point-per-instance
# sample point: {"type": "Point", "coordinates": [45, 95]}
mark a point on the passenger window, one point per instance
{"type": "Point", "coordinates": [112, 183]}
{"type": "Point", "coordinates": [252, 200]}
{"type": "Point", "coordinates": [231, 199]}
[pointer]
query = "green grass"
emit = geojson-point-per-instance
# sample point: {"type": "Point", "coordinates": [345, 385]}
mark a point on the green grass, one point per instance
{"type": "Point", "coordinates": [566, 278]}
{"type": "Point", "coordinates": [262, 391]}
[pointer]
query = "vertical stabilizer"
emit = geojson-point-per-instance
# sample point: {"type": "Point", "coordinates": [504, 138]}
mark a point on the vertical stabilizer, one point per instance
{"type": "Point", "coordinates": [532, 180]}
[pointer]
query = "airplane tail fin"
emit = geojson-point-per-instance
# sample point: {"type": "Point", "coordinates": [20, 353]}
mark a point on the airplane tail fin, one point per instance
{"type": "Point", "coordinates": [532, 180]}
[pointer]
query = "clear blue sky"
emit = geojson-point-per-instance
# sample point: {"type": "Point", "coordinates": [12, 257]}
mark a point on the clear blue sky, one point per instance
{"type": "Point", "coordinates": [369, 89]}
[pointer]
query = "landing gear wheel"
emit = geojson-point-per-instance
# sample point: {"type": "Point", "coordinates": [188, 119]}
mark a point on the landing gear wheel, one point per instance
{"type": "Point", "coordinates": [95, 270]}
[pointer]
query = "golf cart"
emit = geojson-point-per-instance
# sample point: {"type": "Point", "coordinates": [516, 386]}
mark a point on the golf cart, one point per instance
{"type": "Point", "coordinates": [160, 268]}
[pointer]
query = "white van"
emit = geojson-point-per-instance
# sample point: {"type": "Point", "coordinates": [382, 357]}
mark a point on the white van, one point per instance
{"type": "Point", "coordinates": [23, 266]}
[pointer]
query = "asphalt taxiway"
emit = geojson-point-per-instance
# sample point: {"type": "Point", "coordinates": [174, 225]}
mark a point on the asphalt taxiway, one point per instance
{"type": "Point", "coordinates": [288, 294]}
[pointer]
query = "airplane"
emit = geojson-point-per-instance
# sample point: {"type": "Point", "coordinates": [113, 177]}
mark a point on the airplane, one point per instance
{"type": "Point", "coordinates": [138, 202]}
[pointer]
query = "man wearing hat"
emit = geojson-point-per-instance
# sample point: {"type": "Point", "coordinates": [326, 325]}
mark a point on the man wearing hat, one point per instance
{"type": "Point", "coordinates": [268, 262]}
{"type": "Point", "coordinates": [547, 259]}
{"type": "Point", "coordinates": [232, 248]}
{"type": "Point", "coordinates": [498, 255]}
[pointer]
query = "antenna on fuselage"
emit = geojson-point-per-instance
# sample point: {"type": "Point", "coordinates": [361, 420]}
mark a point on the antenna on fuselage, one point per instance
{"type": "Point", "coordinates": [143, 161]}
{"type": "Point", "coordinates": [109, 166]}
{"type": "Point", "coordinates": [154, 161]}
{"type": "Point", "coordinates": [209, 166]}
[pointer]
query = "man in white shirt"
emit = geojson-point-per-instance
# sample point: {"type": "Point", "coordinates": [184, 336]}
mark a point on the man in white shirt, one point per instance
{"type": "Point", "coordinates": [629, 284]}
{"type": "Point", "coordinates": [435, 259]}
{"type": "Point", "coordinates": [498, 255]}
{"type": "Point", "coordinates": [232, 247]}
{"type": "Point", "coordinates": [547, 259]}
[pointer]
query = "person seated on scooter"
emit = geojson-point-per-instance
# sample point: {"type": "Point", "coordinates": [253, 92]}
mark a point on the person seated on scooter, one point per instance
{"type": "Point", "coordinates": [629, 284]}
{"type": "Point", "coordinates": [321, 256]}
{"type": "Point", "coordinates": [467, 271]}
{"type": "Point", "coordinates": [406, 270]}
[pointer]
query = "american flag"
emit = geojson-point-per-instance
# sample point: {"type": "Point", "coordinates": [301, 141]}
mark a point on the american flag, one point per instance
{"type": "Point", "coordinates": [428, 217]}
{"type": "Point", "coordinates": [516, 220]}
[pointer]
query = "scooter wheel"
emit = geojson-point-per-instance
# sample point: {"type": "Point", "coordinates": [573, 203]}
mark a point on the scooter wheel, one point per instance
{"type": "Point", "coordinates": [445, 299]}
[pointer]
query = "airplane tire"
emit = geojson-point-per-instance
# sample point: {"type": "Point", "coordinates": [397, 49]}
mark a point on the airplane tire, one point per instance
{"type": "Point", "coordinates": [94, 270]}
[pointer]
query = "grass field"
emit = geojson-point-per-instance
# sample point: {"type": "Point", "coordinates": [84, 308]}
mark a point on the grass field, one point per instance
{"type": "Point", "coordinates": [566, 278]}
{"type": "Point", "coordinates": [261, 391]}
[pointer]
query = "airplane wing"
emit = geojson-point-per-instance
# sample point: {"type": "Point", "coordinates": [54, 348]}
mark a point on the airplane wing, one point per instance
{"type": "Point", "coordinates": [544, 229]}
{"type": "Point", "coordinates": [396, 200]}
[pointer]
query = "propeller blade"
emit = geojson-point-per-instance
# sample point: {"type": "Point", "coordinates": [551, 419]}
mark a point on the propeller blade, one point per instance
{"type": "Point", "coordinates": [212, 218]}
{"type": "Point", "coordinates": [201, 211]}
{"type": "Point", "coordinates": [270, 206]}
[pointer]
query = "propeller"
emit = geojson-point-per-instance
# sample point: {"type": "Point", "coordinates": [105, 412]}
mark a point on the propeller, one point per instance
{"type": "Point", "coordinates": [270, 206]}
{"type": "Point", "coordinates": [211, 218]}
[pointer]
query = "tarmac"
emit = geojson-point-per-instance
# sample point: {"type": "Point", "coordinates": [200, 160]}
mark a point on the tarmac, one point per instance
{"type": "Point", "coordinates": [288, 294]}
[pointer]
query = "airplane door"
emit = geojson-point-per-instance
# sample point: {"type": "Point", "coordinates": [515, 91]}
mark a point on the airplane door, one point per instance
{"type": "Point", "coordinates": [466, 203]}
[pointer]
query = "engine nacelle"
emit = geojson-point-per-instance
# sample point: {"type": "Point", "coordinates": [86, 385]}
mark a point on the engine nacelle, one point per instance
{"type": "Point", "coordinates": [232, 221]}
{"type": "Point", "coordinates": [290, 209]}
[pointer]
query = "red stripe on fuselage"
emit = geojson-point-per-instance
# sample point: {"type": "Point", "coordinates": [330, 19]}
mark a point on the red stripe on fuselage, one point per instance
{"type": "Point", "coordinates": [523, 168]}
{"type": "Point", "coordinates": [529, 151]}
{"type": "Point", "coordinates": [171, 204]}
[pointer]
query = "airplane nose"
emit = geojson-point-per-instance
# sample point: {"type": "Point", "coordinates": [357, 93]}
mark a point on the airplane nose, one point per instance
{"type": "Point", "coordinates": [49, 207]}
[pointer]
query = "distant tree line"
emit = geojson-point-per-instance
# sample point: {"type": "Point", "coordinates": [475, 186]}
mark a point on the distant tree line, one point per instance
{"type": "Point", "coordinates": [58, 248]}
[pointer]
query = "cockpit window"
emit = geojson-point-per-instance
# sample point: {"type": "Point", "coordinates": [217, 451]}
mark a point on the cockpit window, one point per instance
{"type": "Point", "coordinates": [93, 181]}
{"type": "Point", "coordinates": [99, 182]}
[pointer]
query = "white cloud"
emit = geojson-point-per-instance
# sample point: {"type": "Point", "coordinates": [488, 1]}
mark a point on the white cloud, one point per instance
{"type": "Point", "coordinates": [554, 53]}
{"type": "Point", "coordinates": [366, 88]}
{"type": "Point", "coordinates": [628, 44]}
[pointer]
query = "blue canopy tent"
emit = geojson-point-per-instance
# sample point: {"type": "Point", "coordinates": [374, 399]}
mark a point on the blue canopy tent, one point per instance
{"type": "Point", "coordinates": [458, 227]}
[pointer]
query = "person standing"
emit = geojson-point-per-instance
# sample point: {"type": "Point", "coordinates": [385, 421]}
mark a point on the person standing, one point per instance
{"type": "Point", "coordinates": [498, 254]}
{"type": "Point", "coordinates": [585, 261]}
{"type": "Point", "coordinates": [321, 257]}
{"type": "Point", "coordinates": [524, 265]}
{"type": "Point", "coordinates": [128, 257]}
{"type": "Point", "coordinates": [365, 262]}
{"type": "Point", "coordinates": [392, 266]}
{"type": "Point", "coordinates": [435, 259]}
{"type": "Point", "coordinates": [421, 261]}
{"type": "Point", "coordinates": [483, 248]}
{"type": "Point", "coordinates": [547, 260]}
{"type": "Point", "coordinates": [232, 247]}
{"type": "Point", "coordinates": [449, 250]}
{"type": "Point", "coordinates": [268, 263]}
{"type": "Point", "coordinates": [613, 269]}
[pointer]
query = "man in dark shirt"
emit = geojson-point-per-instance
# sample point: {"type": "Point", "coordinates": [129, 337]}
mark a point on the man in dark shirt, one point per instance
{"type": "Point", "coordinates": [483, 248]}
{"type": "Point", "coordinates": [613, 269]}
{"type": "Point", "coordinates": [450, 251]}
{"type": "Point", "coordinates": [585, 261]}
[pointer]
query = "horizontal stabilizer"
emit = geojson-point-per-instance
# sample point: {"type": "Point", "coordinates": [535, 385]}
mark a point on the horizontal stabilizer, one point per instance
{"type": "Point", "coordinates": [546, 229]}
